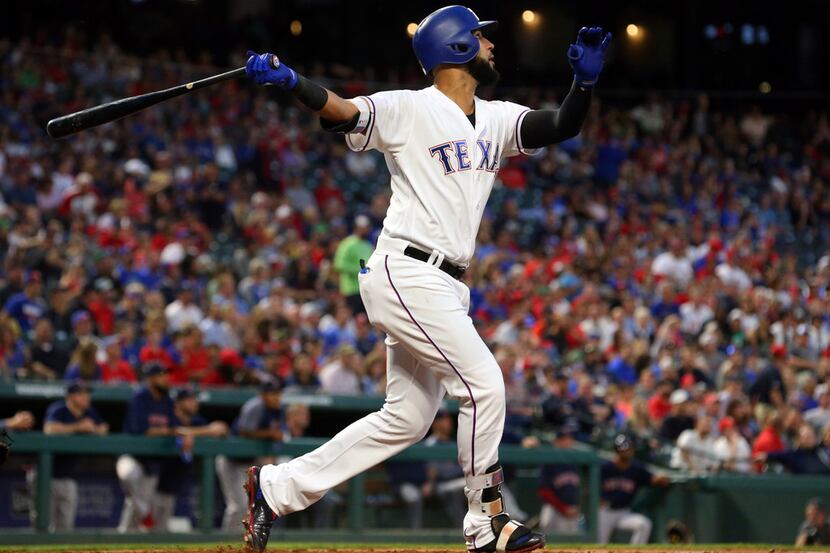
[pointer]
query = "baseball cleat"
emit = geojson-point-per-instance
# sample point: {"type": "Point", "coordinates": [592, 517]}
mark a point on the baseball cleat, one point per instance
{"type": "Point", "coordinates": [512, 537]}
{"type": "Point", "coordinates": [260, 517]}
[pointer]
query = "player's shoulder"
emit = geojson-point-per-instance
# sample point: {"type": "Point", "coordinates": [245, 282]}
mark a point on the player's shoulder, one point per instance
{"type": "Point", "coordinates": [502, 105]}
{"type": "Point", "coordinates": [56, 408]}
{"type": "Point", "coordinates": [392, 96]}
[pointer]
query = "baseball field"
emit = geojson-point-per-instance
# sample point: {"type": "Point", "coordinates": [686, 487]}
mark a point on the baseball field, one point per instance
{"type": "Point", "coordinates": [310, 547]}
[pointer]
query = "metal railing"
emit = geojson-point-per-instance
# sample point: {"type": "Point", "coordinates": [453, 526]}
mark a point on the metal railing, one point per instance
{"type": "Point", "coordinates": [206, 449]}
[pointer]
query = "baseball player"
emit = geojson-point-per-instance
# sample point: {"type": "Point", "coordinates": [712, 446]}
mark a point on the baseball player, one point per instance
{"type": "Point", "coordinates": [620, 479]}
{"type": "Point", "coordinates": [73, 415]}
{"type": "Point", "coordinates": [149, 413]}
{"type": "Point", "coordinates": [560, 488]}
{"type": "Point", "coordinates": [443, 147]}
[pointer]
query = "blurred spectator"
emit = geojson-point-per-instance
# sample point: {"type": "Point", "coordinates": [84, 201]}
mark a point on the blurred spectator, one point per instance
{"type": "Point", "coordinates": [27, 306]}
{"type": "Point", "coordinates": [679, 419]}
{"type": "Point", "coordinates": [815, 530]}
{"type": "Point", "coordinates": [341, 376]}
{"type": "Point", "coordinates": [182, 311]}
{"type": "Point", "coordinates": [731, 448]}
{"type": "Point", "coordinates": [560, 489]}
{"type": "Point", "coordinates": [620, 479]}
{"type": "Point", "coordinates": [259, 419]}
{"type": "Point", "coordinates": [347, 257]}
{"type": "Point", "coordinates": [769, 440]}
{"type": "Point", "coordinates": [83, 364]}
{"type": "Point", "coordinates": [659, 404]}
{"type": "Point", "coordinates": [48, 358]}
{"type": "Point", "coordinates": [694, 451]}
{"type": "Point", "coordinates": [819, 416]}
{"type": "Point", "coordinates": [302, 378]}
{"type": "Point", "coordinates": [807, 458]}
{"type": "Point", "coordinates": [73, 415]}
{"type": "Point", "coordinates": [149, 413]}
{"type": "Point", "coordinates": [674, 264]}
{"type": "Point", "coordinates": [115, 369]}
{"type": "Point", "coordinates": [12, 352]}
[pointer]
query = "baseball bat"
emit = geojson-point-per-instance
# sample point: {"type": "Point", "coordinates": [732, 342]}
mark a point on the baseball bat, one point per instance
{"type": "Point", "coordinates": [106, 113]}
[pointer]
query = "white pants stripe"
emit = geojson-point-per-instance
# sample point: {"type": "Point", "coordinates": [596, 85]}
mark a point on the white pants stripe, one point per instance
{"type": "Point", "coordinates": [432, 348]}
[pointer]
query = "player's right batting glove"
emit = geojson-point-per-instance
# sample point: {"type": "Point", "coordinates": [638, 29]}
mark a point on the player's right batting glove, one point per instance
{"type": "Point", "coordinates": [268, 69]}
{"type": "Point", "coordinates": [587, 56]}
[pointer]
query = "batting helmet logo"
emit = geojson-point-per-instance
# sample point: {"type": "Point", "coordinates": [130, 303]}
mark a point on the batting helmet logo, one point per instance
{"type": "Point", "coordinates": [446, 36]}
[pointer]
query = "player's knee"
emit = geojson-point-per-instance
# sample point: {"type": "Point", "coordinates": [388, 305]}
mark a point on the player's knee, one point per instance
{"type": "Point", "coordinates": [645, 525]}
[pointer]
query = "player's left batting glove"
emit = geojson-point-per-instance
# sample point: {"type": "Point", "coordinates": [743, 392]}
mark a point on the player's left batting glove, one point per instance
{"type": "Point", "coordinates": [587, 56]}
{"type": "Point", "coordinates": [267, 69]}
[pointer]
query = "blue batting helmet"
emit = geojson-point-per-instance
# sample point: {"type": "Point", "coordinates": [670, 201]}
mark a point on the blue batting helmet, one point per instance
{"type": "Point", "coordinates": [446, 36]}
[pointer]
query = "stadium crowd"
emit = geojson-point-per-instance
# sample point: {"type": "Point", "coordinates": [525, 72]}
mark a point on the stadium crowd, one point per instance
{"type": "Point", "coordinates": [664, 273]}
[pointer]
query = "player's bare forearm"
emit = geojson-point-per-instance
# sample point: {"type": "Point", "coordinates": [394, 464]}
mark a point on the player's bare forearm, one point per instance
{"type": "Point", "coordinates": [337, 109]}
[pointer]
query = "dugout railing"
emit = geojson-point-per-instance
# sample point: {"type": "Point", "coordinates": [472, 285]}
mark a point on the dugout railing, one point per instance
{"type": "Point", "coordinates": [206, 449]}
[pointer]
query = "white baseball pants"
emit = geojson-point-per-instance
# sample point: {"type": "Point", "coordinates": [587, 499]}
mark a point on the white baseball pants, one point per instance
{"type": "Point", "coordinates": [432, 347]}
{"type": "Point", "coordinates": [611, 519]}
{"type": "Point", "coordinates": [552, 521]}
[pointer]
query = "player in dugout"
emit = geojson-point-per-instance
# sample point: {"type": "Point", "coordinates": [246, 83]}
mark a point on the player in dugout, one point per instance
{"type": "Point", "coordinates": [620, 479]}
{"type": "Point", "coordinates": [443, 146]}
{"type": "Point", "coordinates": [72, 415]}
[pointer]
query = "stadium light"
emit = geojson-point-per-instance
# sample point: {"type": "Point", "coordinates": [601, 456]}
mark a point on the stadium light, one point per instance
{"type": "Point", "coordinates": [296, 27]}
{"type": "Point", "coordinates": [765, 87]}
{"type": "Point", "coordinates": [530, 17]}
{"type": "Point", "coordinates": [634, 32]}
{"type": "Point", "coordinates": [411, 28]}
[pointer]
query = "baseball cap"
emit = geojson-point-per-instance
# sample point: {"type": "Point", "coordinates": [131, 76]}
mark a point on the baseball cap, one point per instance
{"type": "Point", "coordinates": [183, 393]}
{"type": "Point", "coordinates": [153, 369]}
{"type": "Point", "coordinates": [80, 315]}
{"type": "Point", "coordinates": [229, 356]}
{"type": "Point", "coordinates": [568, 428]}
{"type": "Point", "coordinates": [271, 385]}
{"type": "Point", "coordinates": [725, 423]}
{"type": "Point", "coordinates": [623, 443]}
{"type": "Point", "coordinates": [778, 350]}
{"type": "Point", "coordinates": [33, 276]}
{"type": "Point", "coordinates": [679, 396]}
{"type": "Point", "coordinates": [77, 386]}
{"type": "Point", "coordinates": [362, 221]}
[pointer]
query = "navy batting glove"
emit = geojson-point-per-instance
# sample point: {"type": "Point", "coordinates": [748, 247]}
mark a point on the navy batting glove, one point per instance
{"type": "Point", "coordinates": [267, 69]}
{"type": "Point", "coordinates": [587, 56]}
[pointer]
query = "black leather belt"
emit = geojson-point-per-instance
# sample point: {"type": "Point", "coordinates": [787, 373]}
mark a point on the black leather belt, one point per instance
{"type": "Point", "coordinates": [455, 271]}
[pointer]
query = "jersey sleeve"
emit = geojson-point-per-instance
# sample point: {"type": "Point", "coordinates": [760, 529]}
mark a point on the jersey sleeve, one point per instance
{"type": "Point", "coordinates": [384, 122]}
{"type": "Point", "coordinates": [250, 416]}
{"type": "Point", "coordinates": [510, 116]}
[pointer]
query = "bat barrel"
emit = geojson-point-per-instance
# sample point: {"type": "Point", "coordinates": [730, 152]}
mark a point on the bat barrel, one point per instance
{"type": "Point", "coordinates": [106, 113]}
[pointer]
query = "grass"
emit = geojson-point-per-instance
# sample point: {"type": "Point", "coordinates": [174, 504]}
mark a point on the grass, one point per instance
{"type": "Point", "coordinates": [294, 546]}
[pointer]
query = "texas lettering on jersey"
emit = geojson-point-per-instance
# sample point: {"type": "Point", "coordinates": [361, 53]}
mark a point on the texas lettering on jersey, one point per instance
{"type": "Point", "coordinates": [442, 165]}
{"type": "Point", "coordinates": [455, 156]}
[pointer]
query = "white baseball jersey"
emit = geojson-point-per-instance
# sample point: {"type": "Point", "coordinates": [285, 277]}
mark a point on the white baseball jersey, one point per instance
{"type": "Point", "coordinates": [442, 167]}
